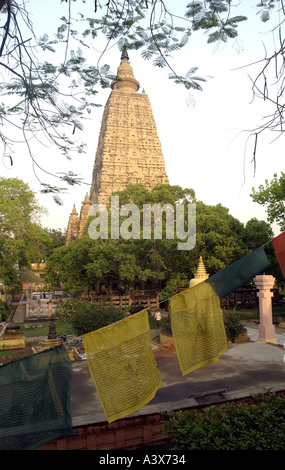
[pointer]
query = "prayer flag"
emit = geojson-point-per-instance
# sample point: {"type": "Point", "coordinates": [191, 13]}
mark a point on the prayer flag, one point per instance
{"type": "Point", "coordinates": [236, 274]}
{"type": "Point", "coordinates": [35, 399]}
{"type": "Point", "coordinates": [197, 327]}
{"type": "Point", "coordinates": [279, 248]}
{"type": "Point", "coordinates": [122, 365]}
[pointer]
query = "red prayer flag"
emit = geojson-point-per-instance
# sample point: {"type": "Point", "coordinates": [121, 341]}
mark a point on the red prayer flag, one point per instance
{"type": "Point", "coordinates": [279, 247]}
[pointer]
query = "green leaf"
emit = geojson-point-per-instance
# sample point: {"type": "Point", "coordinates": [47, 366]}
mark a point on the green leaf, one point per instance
{"type": "Point", "coordinates": [265, 16]}
{"type": "Point", "coordinates": [194, 8]}
{"type": "Point", "coordinates": [147, 54]}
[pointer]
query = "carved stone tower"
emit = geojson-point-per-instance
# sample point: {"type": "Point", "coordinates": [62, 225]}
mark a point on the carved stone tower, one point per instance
{"type": "Point", "coordinates": [72, 228]}
{"type": "Point", "coordinates": [77, 225]}
{"type": "Point", "coordinates": [129, 150]}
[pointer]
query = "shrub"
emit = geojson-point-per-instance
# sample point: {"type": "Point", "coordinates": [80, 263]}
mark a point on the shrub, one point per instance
{"type": "Point", "coordinates": [233, 325]}
{"type": "Point", "coordinates": [89, 316]}
{"type": "Point", "coordinates": [256, 426]}
{"type": "Point", "coordinates": [67, 309]}
{"type": "Point", "coordinates": [4, 310]}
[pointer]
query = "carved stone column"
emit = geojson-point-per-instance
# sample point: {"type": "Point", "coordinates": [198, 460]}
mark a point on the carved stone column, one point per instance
{"type": "Point", "coordinates": [266, 329]}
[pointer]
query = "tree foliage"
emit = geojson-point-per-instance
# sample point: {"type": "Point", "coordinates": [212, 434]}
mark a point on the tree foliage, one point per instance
{"type": "Point", "coordinates": [89, 316]}
{"type": "Point", "coordinates": [272, 196]}
{"type": "Point", "coordinates": [46, 99]}
{"type": "Point", "coordinates": [22, 239]}
{"type": "Point", "coordinates": [5, 310]}
{"type": "Point", "coordinates": [220, 240]}
{"type": "Point", "coordinates": [57, 237]}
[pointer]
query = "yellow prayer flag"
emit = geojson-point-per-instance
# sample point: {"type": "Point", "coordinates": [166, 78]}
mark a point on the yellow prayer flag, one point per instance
{"type": "Point", "coordinates": [197, 327]}
{"type": "Point", "coordinates": [122, 365]}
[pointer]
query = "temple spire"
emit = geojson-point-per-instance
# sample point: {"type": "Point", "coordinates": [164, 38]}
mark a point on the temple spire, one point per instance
{"type": "Point", "coordinates": [74, 212]}
{"type": "Point", "coordinates": [125, 80]}
{"type": "Point", "coordinates": [84, 214]}
{"type": "Point", "coordinates": [73, 226]}
{"type": "Point", "coordinates": [129, 150]}
{"type": "Point", "coordinates": [124, 55]}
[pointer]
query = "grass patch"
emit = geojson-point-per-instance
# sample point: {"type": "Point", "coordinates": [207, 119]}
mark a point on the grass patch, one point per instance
{"type": "Point", "coordinates": [42, 328]}
{"type": "Point", "coordinates": [30, 276]}
{"type": "Point", "coordinates": [5, 352]}
{"type": "Point", "coordinates": [253, 313]}
{"type": "Point", "coordinates": [248, 314]}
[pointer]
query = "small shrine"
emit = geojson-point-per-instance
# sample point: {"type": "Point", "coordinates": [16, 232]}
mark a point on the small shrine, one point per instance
{"type": "Point", "coordinates": [201, 274]}
{"type": "Point", "coordinates": [13, 338]}
{"type": "Point", "coordinates": [52, 339]}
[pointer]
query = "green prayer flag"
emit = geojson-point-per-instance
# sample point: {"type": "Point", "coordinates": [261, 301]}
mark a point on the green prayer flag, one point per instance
{"type": "Point", "coordinates": [35, 399]}
{"type": "Point", "coordinates": [234, 276]}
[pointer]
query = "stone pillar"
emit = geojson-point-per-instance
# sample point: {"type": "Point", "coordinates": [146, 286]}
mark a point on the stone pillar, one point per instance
{"type": "Point", "coordinates": [266, 329]}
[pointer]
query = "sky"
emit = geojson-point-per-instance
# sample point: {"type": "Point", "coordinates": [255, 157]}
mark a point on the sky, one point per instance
{"type": "Point", "coordinates": [203, 134]}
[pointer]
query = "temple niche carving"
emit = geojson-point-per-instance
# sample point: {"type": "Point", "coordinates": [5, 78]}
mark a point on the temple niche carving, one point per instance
{"type": "Point", "coordinates": [129, 150]}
